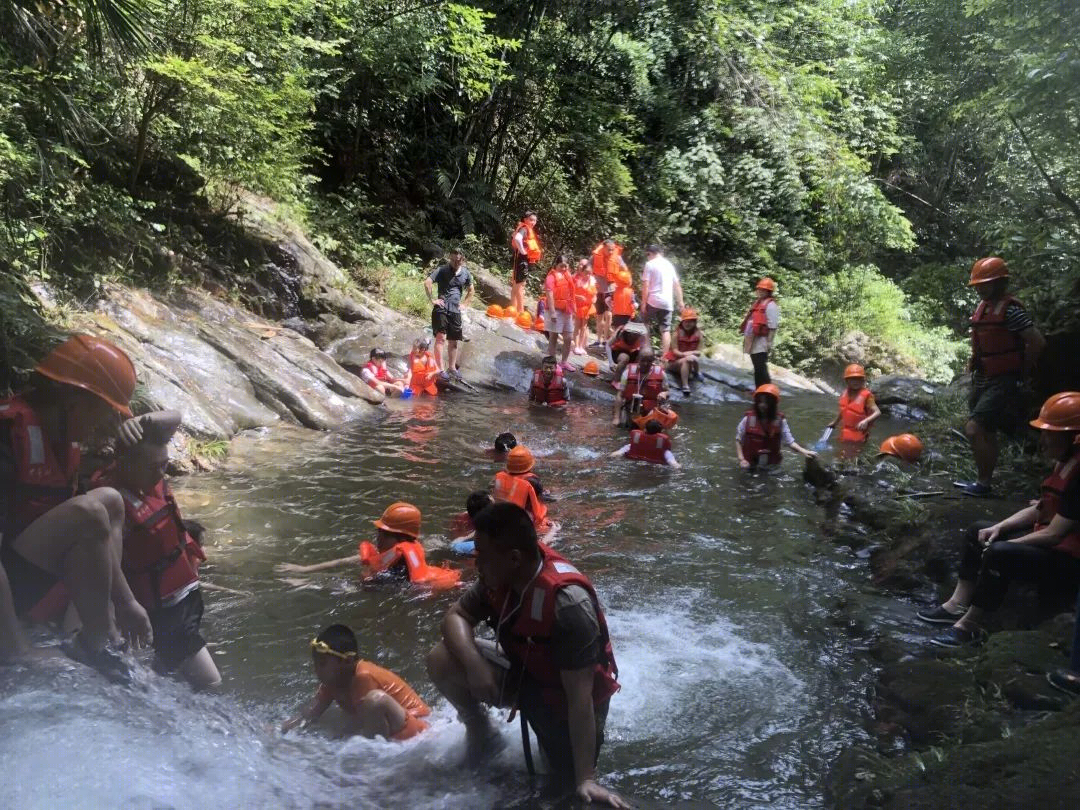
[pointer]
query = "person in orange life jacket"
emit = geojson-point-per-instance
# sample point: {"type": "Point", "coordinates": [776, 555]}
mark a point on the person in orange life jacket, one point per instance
{"type": "Point", "coordinates": [526, 253]}
{"type": "Point", "coordinates": [683, 358]}
{"type": "Point", "coordinates": [625, 347]}
{"type": "Point", "coordinates": [50, 535]}
{"type": "Point", "coordinates": [454, 288]}
{"type": "Point", "coordinates": [161, 558]}
{"type": "Point", "coordinates": [620, 298]}
{"type": "Point", "coordinates": [559, 312]}
{"type": "Point", "coordinates": [376, 702]}
{"type": "Point", "coordinates": [1040, 543]}
{"type": "Point", "coordinates": [759, 329]}
{"type": "Point", "coordinates": [552, 658]}
{"type": "Point", "coordinates": [519, 485]}
{"type": "Point", "coordinates": [378, 376]}
{"type": "Point", "coordinates": [641, 387]}
{"type": "Point", "coordinates": [584, 305]}
{"type": "Point", "coordinates": [763, 430]}
{"type": "Point", "coordinates": [423, 367]}
{"type": "Point", "coordinates": [858, 411]}
{"type": "Point", "coordinates": [607, 260]}
{"type": "Point", "coordinates": [662, 413]}
{"type": "Point", "coordinates": [650, 444]}
{"type": "Point", "coordinates": [1005, 346]}
{"type": "Point", "coordinates": [549, 387]}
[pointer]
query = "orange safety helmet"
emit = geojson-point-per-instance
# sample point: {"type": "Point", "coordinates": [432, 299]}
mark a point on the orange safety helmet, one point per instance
{"type": "Point", "coordinates": [766, 284]}
{"type": "Point", "coordinates": [768, 388]}
{"type": "Point", "coordinates": [854, 370]}
{"type": "Point", "coordinates": [904, 446]}
{"type": "Point", "coordinates": [1059, 412]}
{"type": "Point", "coordinates": [510, 312]}
{"type": "Point", "coordinates": [95, 365]}
{"type": "Point", "coordinates": [689, 314]}
{"type": "Point", "coordinates": [988, 269]}
{"type": "Point", "coordinates": [400, 518]}
{"type": "Point", "coordinates": [592, 368]}
{"type": "Point", "coordinates": [519, 460]}
{"type": "Point", "coordinates": [538, 325]}
{"type": "Point", "coordinates": [495, 311]}
{"type": "Point", "coordinates": [524, 320]}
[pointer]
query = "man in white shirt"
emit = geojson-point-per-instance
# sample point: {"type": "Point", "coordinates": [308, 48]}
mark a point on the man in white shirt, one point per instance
{"type": "Point", "coordinates": [661, 292]}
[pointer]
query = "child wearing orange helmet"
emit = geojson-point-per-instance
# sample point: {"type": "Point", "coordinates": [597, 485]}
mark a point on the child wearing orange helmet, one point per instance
{"type": "Point", "coordinates": [763, 430]}
{"type": "Point", "coordinates": [858, 411]}
{"type": "Point", "coordinates": [683, 359]}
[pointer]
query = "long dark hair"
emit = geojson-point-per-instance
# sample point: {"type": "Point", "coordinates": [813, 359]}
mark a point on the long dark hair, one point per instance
{"type": "Point", "coordinates": [771, 406]}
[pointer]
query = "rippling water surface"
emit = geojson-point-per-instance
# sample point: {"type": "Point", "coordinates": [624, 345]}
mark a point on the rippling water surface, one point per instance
{"type": "Point", "coordinates": [726, 604]}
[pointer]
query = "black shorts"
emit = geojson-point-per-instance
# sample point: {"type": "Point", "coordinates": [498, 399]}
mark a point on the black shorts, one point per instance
{"type": "Point", "coordinates": [446, 323]}
{"type": "Point", "coordinates": [601, 303]}
{"type": "Point", "coordinates": [552, 729]}
{"type": "Point", "coordinates": [520, 269]}
{"type": "Point", "coordinates": [620, 320]}
{"type": "Point", "coordinates": [29, 583]}
{"type": "Point", "coordinates": [997, 403]}
{"type": "Point", "coordinates": [176, 631]}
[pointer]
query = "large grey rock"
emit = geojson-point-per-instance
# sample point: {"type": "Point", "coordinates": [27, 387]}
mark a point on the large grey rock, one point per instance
{"type": "Point", "coordinates": [491, 289]}
{"type": "Point", "coordinates": [894, 389]}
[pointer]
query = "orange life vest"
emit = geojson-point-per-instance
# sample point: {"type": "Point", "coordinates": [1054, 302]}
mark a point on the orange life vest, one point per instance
{"type": "Point", "coordinates": [517, 490]}
{"type": "Point", "coordinates": [648, 447]}
{"type": "Point", "coordinates": [757, 317]}
{"type": "Point", "coordinates": [691, 343]}
{"type": "Point", "coordinates": [563, 289]}
{"type": "Point", "coordinates": [549, 393]}
{"type": "Point", "coordinates": [160, 558]}
{"type": "Point", "coordinates": [759, 438]}
{"type": "Point", "coordinates": [42, 482]}
{"type": "Point", "coordinates": [668, 419]}
{"type": "Point", "coordinates": [584, 295]}
{"type": "Point", "coordinates": [852, 411]}
{"type": "Point", "coordinates": [996, 350]}
{"type": "Point", "coordinates": [525, 627]}
{"type": "Point", "coordinates": [650, 388]}
{"type": "Point", "coordinates": [411, 553]}
{"type": "Point", "coordinates": [605, 264]}
{"type": "Point", "coordinates": [1053, 492]}
{"type": "Point", "coordinates": [622, 301]}
{"type": "Point", "coordinates": [533, 253]}
{"type": "Point", "coordinates": [423, 369]}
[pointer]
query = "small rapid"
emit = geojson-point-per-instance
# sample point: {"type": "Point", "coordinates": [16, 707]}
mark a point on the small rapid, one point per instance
{"type": "Point", "coordinates": [729, 612]}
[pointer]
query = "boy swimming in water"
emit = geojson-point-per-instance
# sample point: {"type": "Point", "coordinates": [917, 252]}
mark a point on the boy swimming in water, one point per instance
{"type": "Point", "coordinates": [376, 702]}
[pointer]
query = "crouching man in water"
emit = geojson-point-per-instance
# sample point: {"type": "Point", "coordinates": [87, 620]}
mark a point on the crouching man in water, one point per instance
{"type": "Point", "coordinates": [552, 660]}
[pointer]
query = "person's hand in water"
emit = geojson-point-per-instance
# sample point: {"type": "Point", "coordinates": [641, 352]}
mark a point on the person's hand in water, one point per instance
{"type": "Point", "coordinates": [135, 625]}
{"type": "Point", "coordinates": [590, 792]}
{"type": "Point", "coordinates": [744, 464]}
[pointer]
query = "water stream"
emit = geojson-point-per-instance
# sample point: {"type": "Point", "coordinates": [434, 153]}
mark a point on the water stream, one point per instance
{"type": "Point", "coordinates": [726, 603]}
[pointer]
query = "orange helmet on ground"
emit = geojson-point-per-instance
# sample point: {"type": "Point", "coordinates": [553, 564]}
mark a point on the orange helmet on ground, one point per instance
{"type": "Point", "coordinates": [854, 370]}
{"type": "Point", "coordinates": [495, 311]}
{"type": "Point", "coordinates": [538, 325]}
{"type": "Point", "coordinates": [592, 368]}
{"type": "Point", "coordinates": [768, 388]}
{"type": "Point", "coordinates": [524, 320]}
{"type": "Point", "coordinates": [95, 365]}
{"type": "Point", "coordinates": [689, 314]}
{"type": "Point", "coordinates": [766, 284]}
{"type": "Point", "coordinates": [400, 518]}
{"type": "Point", "coordinates": [510, 312]}
{"type": "Point", "coordinates": [904, 446]}
{"type": "Point", "coordinates": [1059, 412]}
{"type": "Point", "coordinates": [988, 269]}
{"type": "Point", "coordinates": [519, 460]}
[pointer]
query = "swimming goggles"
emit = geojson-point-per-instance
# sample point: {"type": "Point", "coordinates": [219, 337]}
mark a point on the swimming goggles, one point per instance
{"type": "Point", "coordinates": [325, 649]}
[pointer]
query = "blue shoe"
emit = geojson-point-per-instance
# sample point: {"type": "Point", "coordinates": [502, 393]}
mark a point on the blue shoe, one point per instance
{"type": "Point", "coordinates": [974, 489]}
{"type": "Point", "coordinates": [955, 638]}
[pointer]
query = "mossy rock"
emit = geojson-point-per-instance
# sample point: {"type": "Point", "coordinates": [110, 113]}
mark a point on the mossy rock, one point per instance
{"type": "Point", "coordinates": [1016, 662]}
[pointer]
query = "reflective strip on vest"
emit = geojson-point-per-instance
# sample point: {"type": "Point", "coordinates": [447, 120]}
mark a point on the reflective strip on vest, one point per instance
{"type": "Point", "coordinates": [537, 609]}
{"type": "Point", "coordinates": [37, 444]}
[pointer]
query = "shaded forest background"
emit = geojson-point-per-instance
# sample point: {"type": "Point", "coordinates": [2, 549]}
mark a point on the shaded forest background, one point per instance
{"type": "Point", "coordinates": [861, 152]}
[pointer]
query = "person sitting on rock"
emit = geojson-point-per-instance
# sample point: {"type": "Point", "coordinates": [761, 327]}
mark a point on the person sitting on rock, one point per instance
{"type": "Point", "coordinates": [683, 359]}
{"type": "Point", "coordinates": [858, 412]}
{"type": "Point", "coordinates": [764, 430]}
{"type": "Point", "coordinates": [395, 554]}
{"type": "Point", "coordinates": [624, 347]}
{"type": "Point", "coordinates": [549, 386]}
{"type": "Point", "coordinates": [424, 368]}
{"type": "Point", "coordinates": [642, 387]}
{"type": "Point", "coordinates": [1040, 543]}
{"type": "Point", "coordinates": [376, 702]}
{"type": "Point", "coordinates": [650, 444]}
{"type": "Point", "coordinates": [378, 376]}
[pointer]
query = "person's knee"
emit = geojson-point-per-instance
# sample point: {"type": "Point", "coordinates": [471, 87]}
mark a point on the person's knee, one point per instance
{"type": "Point", "coordinates": [439, 662]}
{"type": "Point", "coordinates": [112, 501]}
{"type": "Point", "coordinates": [974, 430]}
{"type": "Point", "coordinates": [95, 515]}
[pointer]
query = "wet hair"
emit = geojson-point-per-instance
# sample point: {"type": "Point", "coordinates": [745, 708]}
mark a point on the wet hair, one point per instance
{"type": "Point", "coordinates": [339, 638]}
{"type": "Point", "coordinates": [505, 442]}
{"type": "Point", "coordinates": [477, 501]}
{"type": "Point", "coordinates": [196, 530]}
{"type": "Point", "coordinates": [549, 360]}
{"type": "Point", "coordinates": [652, 426]}
{"type": "Point", "coordinates": [771, 406]}
{"type": "Point", "coordinates": [508, 526]}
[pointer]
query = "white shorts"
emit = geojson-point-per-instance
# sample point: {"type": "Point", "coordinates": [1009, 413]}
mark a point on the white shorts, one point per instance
{"type": "Point", "coordinates": [561, 323]}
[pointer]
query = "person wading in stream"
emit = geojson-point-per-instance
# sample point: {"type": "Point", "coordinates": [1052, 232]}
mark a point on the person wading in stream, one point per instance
{"type": "Point", "coordinates": [51, 534]}
{"type": "Point", "coordinates": [1040, 543]}
{"type": "Point", "coordinates": [759, 329]}
{"type": "Point", "coordinates": [552, 659]}
{"type": "Point", "coordinates": [764, 430]}
{"type": "Point", "coordinates": [452, 282]}
{"type": "Point", "coordinates": [1005, 346]}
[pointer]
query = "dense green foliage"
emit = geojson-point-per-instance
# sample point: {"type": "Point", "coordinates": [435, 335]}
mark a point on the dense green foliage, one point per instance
{"type": "Point", "coordinates": [862, 152]}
